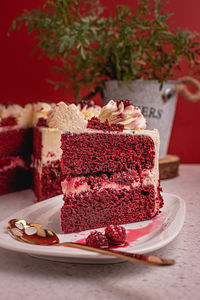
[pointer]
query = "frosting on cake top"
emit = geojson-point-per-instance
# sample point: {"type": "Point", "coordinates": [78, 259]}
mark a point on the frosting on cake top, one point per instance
{"type": "Point", "coordinates": [75, 119]}
{"type": "Point", "coordinates": [40, 111]}
{"type": "Point", "coordinates": [66, 118]}
{"type": "Point", "coordinates": [90, 111]}
{"type": "Point", "coordinates": [118, 113]}
{"type": "Point", "coordinates": [21, 115]}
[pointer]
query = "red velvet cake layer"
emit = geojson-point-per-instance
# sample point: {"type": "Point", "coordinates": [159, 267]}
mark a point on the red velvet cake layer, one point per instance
{"type": "Point", "coordinates": [14, 176]}
{"type": "Point", "coordinates": [101, 152]}
{"type": "Point", "coordinates": [46, 172]}
{"type": "Point", "coordinates": [48, 183]}
{"type": "Point", "coordinates": [16, 142]}
{"type": "Point", "coordinates": [97, 209]}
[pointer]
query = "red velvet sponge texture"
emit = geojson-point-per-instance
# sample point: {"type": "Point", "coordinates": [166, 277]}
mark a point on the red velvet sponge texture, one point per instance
{"type": "Point", "coordinates": [110, 157]}
{"type": "Point", "coordinates": [16, 142]}
{"type": "Point", "coordinates": [101, 208]}
{"type": "Point", "coordinates": [48, 183]}
{"type": "Point", "coordinates": [96, 152]}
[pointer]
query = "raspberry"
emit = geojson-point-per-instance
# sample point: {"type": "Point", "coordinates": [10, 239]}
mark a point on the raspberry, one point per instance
{"type": "Point", "coordinates": [115, 234]}
{"type": "Point", "coordinates": [97, 239]}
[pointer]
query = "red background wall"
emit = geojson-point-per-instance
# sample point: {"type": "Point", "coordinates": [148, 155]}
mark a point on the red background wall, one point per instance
{"type": "Point", "coordinates": [23, 76]}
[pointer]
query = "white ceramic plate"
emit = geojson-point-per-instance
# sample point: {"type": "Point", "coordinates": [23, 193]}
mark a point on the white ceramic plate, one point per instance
{"type": "Point", "coordinates": [142, 237]}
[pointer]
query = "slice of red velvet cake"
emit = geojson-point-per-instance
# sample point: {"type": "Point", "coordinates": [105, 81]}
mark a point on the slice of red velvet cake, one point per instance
{"type": "Point", "coordinates": [15, 147]}
{"type": "Point", "coordinates": [110, 165]}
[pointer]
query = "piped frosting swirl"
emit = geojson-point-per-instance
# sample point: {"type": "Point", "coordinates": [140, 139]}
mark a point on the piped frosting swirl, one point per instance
{"type": "Point", "coordinates": [117, 113]}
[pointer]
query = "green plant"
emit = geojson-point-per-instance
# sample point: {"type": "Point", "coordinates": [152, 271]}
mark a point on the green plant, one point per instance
{"type": "Point", "coordinates": [89, 48]}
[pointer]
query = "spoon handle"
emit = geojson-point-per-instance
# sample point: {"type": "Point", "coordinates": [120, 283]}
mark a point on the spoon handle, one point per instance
{"type": "Point", "coordinates": [139, 258]}
{"type": "Point", "coordinates": [20, 235]}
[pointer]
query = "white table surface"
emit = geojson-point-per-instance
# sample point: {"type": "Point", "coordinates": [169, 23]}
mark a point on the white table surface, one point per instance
{"type": "Point", "coordinates": [24, 277]}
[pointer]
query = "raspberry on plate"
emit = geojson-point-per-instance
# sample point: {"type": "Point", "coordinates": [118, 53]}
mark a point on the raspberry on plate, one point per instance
{"type": "Point", "coordinates": [115, 234]}
{"type": "Point", "coordinates": [97, 239]}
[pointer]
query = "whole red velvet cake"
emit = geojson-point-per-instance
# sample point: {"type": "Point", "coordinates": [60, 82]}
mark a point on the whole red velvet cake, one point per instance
{"type": "Point", "coordinates": [110, 165]}
{"type": "Point", "coordinates": [15, 147]}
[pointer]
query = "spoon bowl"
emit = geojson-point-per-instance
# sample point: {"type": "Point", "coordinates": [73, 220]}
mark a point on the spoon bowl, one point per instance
{"type": "Point", "coordinates": [33, 233]}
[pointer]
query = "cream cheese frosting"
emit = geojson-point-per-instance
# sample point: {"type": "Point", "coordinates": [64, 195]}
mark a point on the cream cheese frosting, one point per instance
{"type": "Point", "coordinates": [22, 115]}
{"type": "Point", "coordinates": [50, 151]}
{"type": "Point", "coordinates": [90, 111]}
{"type": "Point", "coordinates": [129, 116]}
{"type": "Point", "coordinates": [40, 110]}
{"type": "Point", "coordinates": [71, 118]}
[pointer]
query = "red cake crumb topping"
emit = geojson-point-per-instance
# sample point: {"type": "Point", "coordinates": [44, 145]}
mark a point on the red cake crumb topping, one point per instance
{"type": "Point", "coordinates": [95, 123]}
{"type": "Point", "coordinates": [10, 121]}
{"type": "Point", "coordinates": [125, 102]}
{"type": "Point", "coordinates": [87, 103]}
{"type": "Point", "coordinates": [115, 234]}
{"type": "Point", "coordinates": [42, 122]}
{"type": "Point", "coordinates": [97, 239]}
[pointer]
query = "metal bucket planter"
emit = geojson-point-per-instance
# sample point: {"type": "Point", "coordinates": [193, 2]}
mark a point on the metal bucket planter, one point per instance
{"type": "Point", "coordinates": [147, 95]}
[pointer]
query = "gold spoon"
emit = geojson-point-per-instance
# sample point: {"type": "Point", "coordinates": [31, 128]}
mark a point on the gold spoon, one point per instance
{"type": "Point", "coordinates": [32, 233]}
